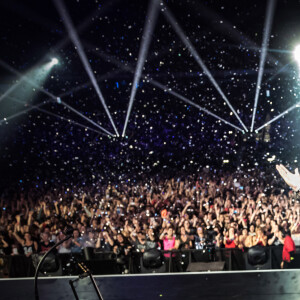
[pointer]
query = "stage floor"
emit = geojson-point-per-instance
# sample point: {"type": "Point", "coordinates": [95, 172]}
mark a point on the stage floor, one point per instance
{"type": "Point", "coordinates": [246, 285]}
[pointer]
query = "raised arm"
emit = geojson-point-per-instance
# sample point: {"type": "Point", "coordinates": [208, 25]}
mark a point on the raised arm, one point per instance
{"type": "Point", "coordinates": [293, 180]}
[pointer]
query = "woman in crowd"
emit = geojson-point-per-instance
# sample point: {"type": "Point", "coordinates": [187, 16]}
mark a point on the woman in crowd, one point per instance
{"type": "Point", "coordinates": [231, 238]}
{"type": "Point", "coordinates": [260, 238]}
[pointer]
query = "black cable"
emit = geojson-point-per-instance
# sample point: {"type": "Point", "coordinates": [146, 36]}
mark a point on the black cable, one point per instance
{"type": "Point", "coordinates": [36, 292]}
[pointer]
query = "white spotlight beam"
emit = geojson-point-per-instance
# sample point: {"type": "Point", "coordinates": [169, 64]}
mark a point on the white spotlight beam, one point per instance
{"type": "Point", "coordinates": [171, 19]}
{"type": "Point", "coordinates": [86, 118]}
{"type": "Point", "coordinates": [10, 90]}
{"type": "Point", "coordinates": [225, 27]}
{"type": "Point", "coordinates": [279, 116]}
{"type": "Point", "coordinates": [263, 55]}
{"type": "Point", "coordinates": [24, 111]}
{"type": "Point", "coordinates": [297, 54]}
{"type": "Point", "coordinates": [75, 39]}
{"type": "Point", "coordinates": [25, 78]}
{"type": "Point", "coordinates": [164, 88]}
{"type": "Point", "coordinates": [58, 116]}
{"type": "Point", "coordinates": [177, 95]}
{"type": "Point", "coordinates": [86, 23]}
{"type": "Point", "coordinates": [70, 121]}
{"type": "Point", "coordinates": [54, 98]}
{"type": "Point", "coordinates": [145, 43]}
{"type": "Point", "coordinates": [60, 45]}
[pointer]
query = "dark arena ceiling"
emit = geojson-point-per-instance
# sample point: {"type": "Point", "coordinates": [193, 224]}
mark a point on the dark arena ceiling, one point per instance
{"type": "Point", "coordinates": [192, 70]}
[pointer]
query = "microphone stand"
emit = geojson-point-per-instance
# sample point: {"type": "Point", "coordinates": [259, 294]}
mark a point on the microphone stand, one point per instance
{"type": "Point", "coordinates": [87, 273]}
{"type": "Point", "coordinates": [36, 292]}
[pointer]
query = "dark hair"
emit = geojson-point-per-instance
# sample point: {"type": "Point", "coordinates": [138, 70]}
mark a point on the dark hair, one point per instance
{"type": "Point", "coordinates": [284, 232]}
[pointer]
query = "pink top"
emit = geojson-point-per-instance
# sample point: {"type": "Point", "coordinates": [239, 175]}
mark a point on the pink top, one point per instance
{"type": "Point", "coordinates": [168, 244]}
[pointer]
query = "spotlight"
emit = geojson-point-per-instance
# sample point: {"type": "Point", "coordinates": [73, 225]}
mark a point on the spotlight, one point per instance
{"type": "Point", "coordinates": [54, 61]}
{"type": "Point", "coordinates": [297, 54]}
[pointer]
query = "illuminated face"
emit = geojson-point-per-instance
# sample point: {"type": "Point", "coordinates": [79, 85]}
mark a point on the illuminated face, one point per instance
{"type": "Point", "coordinates": [231, 230]}
{"type": "Point", "coordinates": [186, 224]}
{"type": "Point", "coordinates": [45, 236]}
{"type": "Point", "coordinates": [170, 232]}
{"type": "Point", "coordinates": [120, 238]}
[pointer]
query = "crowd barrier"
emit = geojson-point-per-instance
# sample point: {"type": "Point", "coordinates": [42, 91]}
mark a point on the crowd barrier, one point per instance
{"type": "Point", "coordinates": [101, 263]}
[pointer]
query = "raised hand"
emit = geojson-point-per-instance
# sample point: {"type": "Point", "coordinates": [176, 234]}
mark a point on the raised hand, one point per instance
{"type": "Point", "coordinates": [293, 180]}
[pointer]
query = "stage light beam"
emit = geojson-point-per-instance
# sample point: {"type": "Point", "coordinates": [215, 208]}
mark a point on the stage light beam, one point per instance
{"type": "Point", "coordinates": [60, 6]}
{"type": "Point", "coordinates": [53, 97]}
{"type": "Point", "coordinates": [146, 39]}
{"type": "Point", "coordinates": [163, 87]}
{"type": "Point", "coordinates": [263, 55]}
{"type": "Point", "coordinates": [37, 107]}
{"type": "Point", "coordinates": [171, 19]}
{"type": "Point", "coordinates": [24, 111]}
{"type": "Point", "coordinates": [279, 116]}
{"type": "Point", "coordinates": [54, 61]}
{"type": "Point", "coordinates": [297, 54]}
{"type": "Point", "coordinates": [26, 78]}
{"type": "Point", "coordinates": [86, 118]}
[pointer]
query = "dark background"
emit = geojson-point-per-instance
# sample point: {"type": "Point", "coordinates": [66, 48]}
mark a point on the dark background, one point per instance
{"type": "Point", "coordinates": [164, 134]}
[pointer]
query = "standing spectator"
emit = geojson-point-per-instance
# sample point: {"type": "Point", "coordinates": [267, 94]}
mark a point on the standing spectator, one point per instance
{"type": "Point", "coordinates": [199, 239]}
{"type": "Point", "coordinates": [275, 238]}
{"type": "Point", "coordinates": [230, 238]}
{"type": "Point", "coordinates": [45, 243]}
{"type": "Point", "coordinates": [288, 251]}
{"type": "Point", "coordinates": [3, 245]}
{"type": "Point", "coordinates": [90, 241]}
{"type": "Point", "coordinates": [65, 247]}
{"type": "Point", "coordinates": [77, 242]}
{"type": "Point", "coordinates": [169, 240]}
{"type": "Point", "coordinates": [29, 246]}
{"type": "Point", "coordinates": [185, 241]}
{"type": "Point", "coordinates": [260, 239]}
{"type": "Point", "coordinates": [104, 242]}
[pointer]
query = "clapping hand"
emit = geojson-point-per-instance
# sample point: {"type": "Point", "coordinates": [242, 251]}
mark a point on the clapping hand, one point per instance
{"type": "Point", "coordinates": [293, 180]}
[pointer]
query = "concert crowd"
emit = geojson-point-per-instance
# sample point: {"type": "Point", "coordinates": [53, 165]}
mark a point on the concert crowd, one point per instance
{"type": "Point", "coordinates": [213, 209]}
